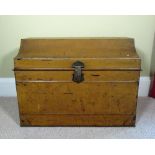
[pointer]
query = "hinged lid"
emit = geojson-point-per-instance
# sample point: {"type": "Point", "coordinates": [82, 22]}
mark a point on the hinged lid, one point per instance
{"type": "Point", "coordinates": [61, 53]}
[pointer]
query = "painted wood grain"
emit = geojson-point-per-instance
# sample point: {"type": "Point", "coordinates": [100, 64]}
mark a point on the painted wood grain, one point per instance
{"type": "Point", "coordinates": [47, 96]}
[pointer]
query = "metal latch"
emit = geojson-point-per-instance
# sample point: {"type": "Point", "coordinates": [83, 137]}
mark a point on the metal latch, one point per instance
{"type": "Point", "coordinates": [78, 76]}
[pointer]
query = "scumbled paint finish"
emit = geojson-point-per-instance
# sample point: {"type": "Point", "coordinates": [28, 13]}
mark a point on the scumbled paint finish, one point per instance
{"type": "Point", "coordinates": [47, 96]}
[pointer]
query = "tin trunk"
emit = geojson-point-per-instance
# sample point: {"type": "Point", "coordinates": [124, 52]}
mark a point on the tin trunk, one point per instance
{"type": "Point", "coordinates": [77, 82]}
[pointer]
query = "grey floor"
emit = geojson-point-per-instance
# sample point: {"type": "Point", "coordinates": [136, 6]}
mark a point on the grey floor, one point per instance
{"type": "Point", "coordinates": [9, 125]}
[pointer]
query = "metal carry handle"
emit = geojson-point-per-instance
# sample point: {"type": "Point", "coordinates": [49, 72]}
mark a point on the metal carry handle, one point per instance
{"type": "Point", "coordinates": [78, 76]}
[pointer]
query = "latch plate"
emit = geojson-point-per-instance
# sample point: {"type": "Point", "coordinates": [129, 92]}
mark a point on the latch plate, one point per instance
{"type": "Point", "coordinates": [78, 76]}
